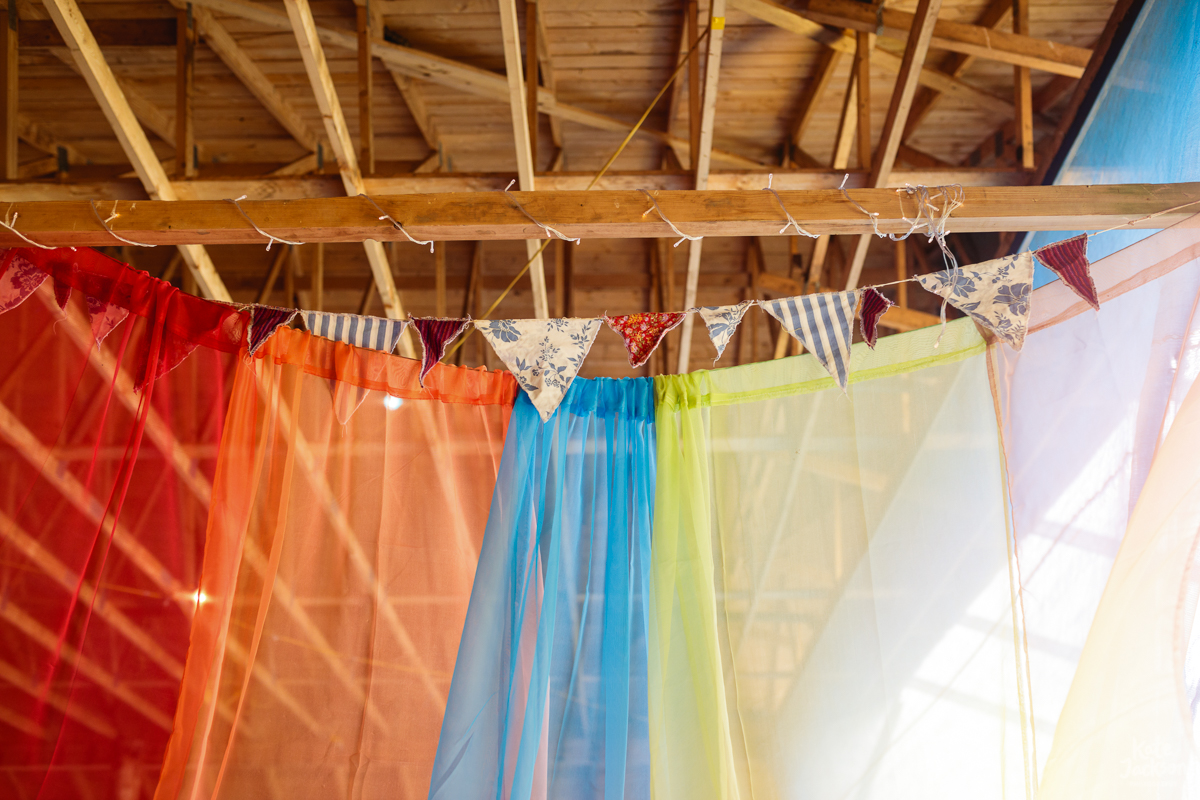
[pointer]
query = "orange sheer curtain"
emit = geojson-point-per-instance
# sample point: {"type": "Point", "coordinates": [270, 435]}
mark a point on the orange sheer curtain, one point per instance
{"type": "Point", "coordinates": [347, 517]}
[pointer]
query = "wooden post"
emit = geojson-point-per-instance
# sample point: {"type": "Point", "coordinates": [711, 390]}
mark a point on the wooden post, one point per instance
{"type": "Point", "coordinates": [862, 76]}
{"type": "Point", "coordinates": [901, 257]}
{"type": "Point", "coordinates": [366, 92]}
{"type": "Point", "coordinates": [272, 276]}
{"type": "Point", "coordinates": [289, 278]}
{"type": "Point", "coordinates": [650, 251]}
{"type": "Point", "coordinates": [8, 85]}
{"type": "Point", "coordinates": [569, 281]}
{"type": "Point", "coordinates": [692, 26]}
{"type": "Point", "coordinates": [439, 280]}
{"type": "Point", "coordinates": [560, 270]}
{"type": "Point", "coordinates": [318, 278]}
{"type": "Point", "coordinates": [531, 77]}
{"type": "Point", "coordinates": [1023, 99]}
{"type": "Point", "coordinates": [185, 88]}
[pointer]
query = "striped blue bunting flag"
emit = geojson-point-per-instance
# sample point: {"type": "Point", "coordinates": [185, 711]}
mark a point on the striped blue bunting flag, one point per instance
{"type": "Point", "coordinates": [373, 332]}
{"type": "Point", "coordinates": [824, 323]}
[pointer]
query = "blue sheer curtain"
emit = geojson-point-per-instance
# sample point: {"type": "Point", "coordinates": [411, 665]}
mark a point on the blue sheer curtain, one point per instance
{"type": "Point", "coordinates": [548, 697]}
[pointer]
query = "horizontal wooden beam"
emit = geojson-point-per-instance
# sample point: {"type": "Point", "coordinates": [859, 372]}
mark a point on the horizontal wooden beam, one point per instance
{"type": "Point", "coordinates": [958, 37]}
{"type": "Point", "coordinates": [602, 214]}
{"type": "Point", "coordinates": [283, 187]}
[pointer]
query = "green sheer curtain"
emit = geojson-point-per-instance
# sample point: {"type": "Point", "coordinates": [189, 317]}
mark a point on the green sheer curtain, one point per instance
{"type": "Point", "coordinates": [833, 611]}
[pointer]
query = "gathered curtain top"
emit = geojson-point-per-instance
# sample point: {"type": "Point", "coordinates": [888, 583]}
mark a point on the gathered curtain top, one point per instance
{"type": "Point", "coordinates": [906, 352]}
{"type": "Point", "coordinates": [631, 398]}
{"type": "Point", "coordinates": [372, 369]}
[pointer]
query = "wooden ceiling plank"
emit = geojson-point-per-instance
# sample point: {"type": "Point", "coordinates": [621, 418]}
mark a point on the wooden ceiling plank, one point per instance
{"type": "Point", "coordinates": [305, 29]}
{"type": "Point", "coordinates": [954, 65]}
{"type": "Point", "coordinates": [919, 36]}
{"type": "Point", "coordinates": [702, 162]}
{"type": "Point", "coordinates": [100, 79]}
{"type": "Point", "coordinates": [958, 37]}
{"type": "Point", "coordinates": [9, 92]}
{"type": "Point", "coordinates": [600, 214]}
{"type": "Point", "coordinates": [523, 141]}
{"type": "Point", "coordinates": [463, 77]}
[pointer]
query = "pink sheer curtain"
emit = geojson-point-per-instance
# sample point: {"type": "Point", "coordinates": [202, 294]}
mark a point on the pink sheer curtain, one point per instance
{"type": "Point", "coordinates": [1090, 408]}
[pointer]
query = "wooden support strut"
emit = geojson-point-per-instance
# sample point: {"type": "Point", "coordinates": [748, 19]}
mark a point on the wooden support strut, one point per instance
{"type": "Point", "coordinates": [601, 214]}
{"type": "Point", "coordinates": [9, 87]}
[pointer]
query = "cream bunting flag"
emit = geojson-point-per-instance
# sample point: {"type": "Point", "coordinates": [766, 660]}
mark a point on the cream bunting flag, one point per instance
{"type": "Point", "coordinates": [995, 294]}
{"type": "Point", "coordinates": [544, 355]}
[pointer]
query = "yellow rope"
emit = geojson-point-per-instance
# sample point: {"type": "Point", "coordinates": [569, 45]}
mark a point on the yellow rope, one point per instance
{"type": "Point", "coordinates": [678, 69]}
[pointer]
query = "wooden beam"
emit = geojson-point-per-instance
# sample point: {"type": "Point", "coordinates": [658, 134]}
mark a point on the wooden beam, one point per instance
{"type": "Point", "coordinates": [953, 65]}
{"type": "Point", "coordinates": [843, 142]}
{"type": "Point", "coordinates": [185, 89]}
{"type": "Point", "coordinates": [703, 164]}
{"type": "Point", "coordinates": [226, 48]}
{"type": "Point", "coordinates": [862, 82]}
{"type": "Point", "coordinates": [509, 27]}
{"type": "Point", "coordinates": [1023, 91]}
{"type": "Point", "coordinates": [414, 98]}
{"type": "Point", "coordinates": [546, 62]}
{"type": "Point", "coordinates": [813, 90]}
{"type": "Point", "coordinates": [691, 26]}
{"type": "Point", "coordinates": [100, 79]}
{"type": "Point", "coordinates": [919, 36]}
{"type": "Point", "coordinates": [9, 88]}
{"type": "Point", "coordinates": [463, 77]}
{"type": "Point", "coordinates": [366, 91]}
{"type": "Point", "coordinates": [600, 214]}
{"type": "Point", "coordinates": [305, 29]}
{"type": "Point", "coordinates": [958, 37]}
{"type": "Point", "coordinates": [531, 77]}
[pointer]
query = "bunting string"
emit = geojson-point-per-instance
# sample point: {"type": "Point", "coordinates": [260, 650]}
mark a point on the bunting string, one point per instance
{"type": "Point", "coordinates": [272, 239]}
{"type": "Point", "coordinates": [104, 222]}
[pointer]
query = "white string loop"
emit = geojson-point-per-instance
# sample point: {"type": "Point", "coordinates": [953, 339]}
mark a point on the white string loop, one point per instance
{"type": "Point", "coordinates": [9, 223]}
{"type": "Point", "coordinates": [395, 224]}
{"type": "Point", "coordinates": [669, 223]}
{"type": "Point", "coordinates": [110, 218]}
{"type": "Point", "coordinates": [549, 230]}
{"type": "Point", "coordinates": [873, 217]}
{"type": "Point", "coordinates": [791, 222]}
{"type": "Point", "coordinates": [270, 238]}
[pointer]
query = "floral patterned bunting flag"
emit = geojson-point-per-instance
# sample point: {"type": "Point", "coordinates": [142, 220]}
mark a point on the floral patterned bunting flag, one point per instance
{"type": "Point", "coordinates": [995, 294]}
{"type": "Point", "coordinates": [871, 308]}
{"type": "Point", "coordinates": [19, 281]}
{"type": "Point", "coordinates": [263, 322]}
{"type": "Point", "coordinates": [824, 323]}
{"type": "Point", "coordinates": [1068, 260]}
{"type": "Point", "coordinates": [436, 333]}
{"type": "Point", "coordinates": [104, 317]}
{"type": "Point", "coordinates": [721, 322]}
{"type": "Point", "coordinates": [545, 355]}
{"type": "Point", "coordinates": [643, 332]}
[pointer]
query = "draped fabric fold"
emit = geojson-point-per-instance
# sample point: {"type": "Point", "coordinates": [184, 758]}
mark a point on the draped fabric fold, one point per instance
{"type": "Point", "coordinates": [549, 692]}
{"type": "Point", "coordinates": [832, 605]}
{"type": "Point", "coordinates": [337, 572]}
{"type": "Point", "coordinates": [104, 493]}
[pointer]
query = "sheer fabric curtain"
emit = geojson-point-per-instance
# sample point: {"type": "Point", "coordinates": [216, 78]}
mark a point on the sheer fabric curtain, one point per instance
{"type": "Point", "coordinates": [347, 516]}
{"type": "Point", "coordinates": [549, 691]}
{"type": "Point", "coordinates": [832, 613]}
{"type": "Point", "coordinates": [104, 493]}
{"type": "Point", "coordinates": [1100, 497]}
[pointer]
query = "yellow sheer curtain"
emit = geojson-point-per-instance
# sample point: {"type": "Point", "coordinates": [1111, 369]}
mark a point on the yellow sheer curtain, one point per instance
{"type": "Point", "coordinates": [833, 602]}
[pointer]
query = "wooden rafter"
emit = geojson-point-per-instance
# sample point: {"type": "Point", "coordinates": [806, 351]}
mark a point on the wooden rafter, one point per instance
{"type": "Point", "coordinates": [919, 36]}
{"type": "Point", "coordinates": [305, 29]}
{"type": "Point", "coordinates": [1023, 91]}
{"type": "Point", "coordinates": [9, 90]}
{"type": "Point", "coordinates": [185, 90]}
{"type": "Point", "coordinates": [509, 27]}
{"type": "Point", "coordinates": [603, 214]}
{"type": "Point", "coordinates": [813, 91]}
{"type": "Point", "coordinates": [90, 61]}
{"type": "Point", "coordinates": [702, 163]}
{"type": "Point", "coordinates": [456, 75]}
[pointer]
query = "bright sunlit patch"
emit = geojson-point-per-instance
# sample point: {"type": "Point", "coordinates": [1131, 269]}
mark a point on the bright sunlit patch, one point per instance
{"type": "Point", "coordinates": [392, 403]}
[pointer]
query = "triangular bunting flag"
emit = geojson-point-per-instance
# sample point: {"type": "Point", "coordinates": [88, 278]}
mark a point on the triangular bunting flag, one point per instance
{"type": "Point", "coordinates": [19, 281]}
{"type": "Point", "coordinates": [721, 322]}
{"type": "Point", "coordinates": [62, 294]}
{"type": "Point", "coordinates": [104, 317]}
{"type": "Point", "coordinates": [544, 355]}
{"type": "Point", "coordinates": [643, 332]}
{"type": "Point", "coordinates": [995, 294]}
{"type": "Point", "coordinates": [1068, 260]}
{"type": "Point", "coordinates": [263, 322]}
{"type": "Point", "coordinates": [435, 333]}
{"type": "Point", "coordinates": [871, 308]}
{"type": "Point", "coordinates": [824, 323]}
{"type": "Point", "coordinates": [375, 333]}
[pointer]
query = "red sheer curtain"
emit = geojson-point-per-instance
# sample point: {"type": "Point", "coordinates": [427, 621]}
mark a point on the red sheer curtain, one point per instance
{"type": "Point", "coordinates": [106, 470]}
